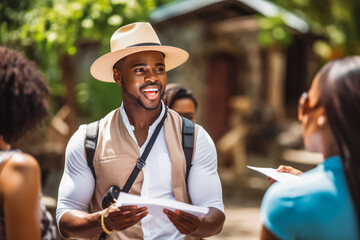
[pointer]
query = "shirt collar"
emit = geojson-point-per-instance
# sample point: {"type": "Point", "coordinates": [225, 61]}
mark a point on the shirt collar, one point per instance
{"type": "Point", "coordinates": [131, 127]}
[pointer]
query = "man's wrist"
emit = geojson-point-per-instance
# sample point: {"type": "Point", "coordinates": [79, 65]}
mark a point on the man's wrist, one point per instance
{"type": "Point", "coordinates": [103, 226]}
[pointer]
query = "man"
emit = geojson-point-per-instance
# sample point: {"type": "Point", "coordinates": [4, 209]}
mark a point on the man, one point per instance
{"type": "Point", "coordinates": [138, 63]}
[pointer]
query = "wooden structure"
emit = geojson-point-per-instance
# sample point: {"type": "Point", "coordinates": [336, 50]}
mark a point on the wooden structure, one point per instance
{"type": "Point", "coordinates": [227, 60]}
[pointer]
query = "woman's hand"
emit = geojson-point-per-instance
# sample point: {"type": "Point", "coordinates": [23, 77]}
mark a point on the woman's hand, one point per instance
{"type": "Point", "coordinates": [285, 169]}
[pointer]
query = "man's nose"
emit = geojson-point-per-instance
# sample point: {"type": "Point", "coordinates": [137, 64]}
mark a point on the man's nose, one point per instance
{"type": "Point", "coordinates": [151, 76]}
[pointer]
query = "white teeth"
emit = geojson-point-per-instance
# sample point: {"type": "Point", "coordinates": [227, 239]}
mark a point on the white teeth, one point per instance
{"type": "Point", "coordinates": [151, 90]}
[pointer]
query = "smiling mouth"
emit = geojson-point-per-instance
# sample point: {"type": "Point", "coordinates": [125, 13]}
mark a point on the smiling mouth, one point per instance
{"type": "Point", "coordinates": [151, 93]}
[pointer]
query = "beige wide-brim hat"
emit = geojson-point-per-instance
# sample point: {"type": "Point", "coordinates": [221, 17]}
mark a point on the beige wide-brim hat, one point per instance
{"type": "Point", "coordinates": [134, 38]}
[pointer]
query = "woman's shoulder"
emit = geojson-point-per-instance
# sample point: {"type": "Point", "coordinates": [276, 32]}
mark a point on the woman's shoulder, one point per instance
{"type": "Point", "coordinates": [309, 191]}
{"type": "Point", "coordinates": [22, 162]}
{"type": "Point", "coordinates": [18, 169]}
{"type": "Point", "coordinates": [311, 200]}
{"type": "Point", "coordinates": [312, 183]}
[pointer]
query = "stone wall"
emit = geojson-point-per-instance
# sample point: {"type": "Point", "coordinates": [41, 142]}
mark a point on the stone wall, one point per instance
{"type": "Point", "coordinates": [196, 38]}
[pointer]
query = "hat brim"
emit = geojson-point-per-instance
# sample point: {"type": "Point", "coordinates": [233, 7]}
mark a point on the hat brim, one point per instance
{"type": "Point", "coordinates": [102, 68]}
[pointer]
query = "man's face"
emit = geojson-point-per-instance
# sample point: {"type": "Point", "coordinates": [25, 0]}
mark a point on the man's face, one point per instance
{"type": "Point", "coordinates": [142, 77]}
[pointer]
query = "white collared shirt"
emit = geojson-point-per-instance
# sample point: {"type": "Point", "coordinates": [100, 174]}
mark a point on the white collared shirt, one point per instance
{"type": "Point", "coordinates": [77, 184]}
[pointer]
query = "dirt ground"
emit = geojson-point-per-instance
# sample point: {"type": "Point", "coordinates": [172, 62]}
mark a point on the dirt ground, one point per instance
{"type": "Point", "coordinates": [242, 195]}
{"type": "Point", "coordinates": [242, 222]}
{"type": "Point", "coordinates": [242, 199]}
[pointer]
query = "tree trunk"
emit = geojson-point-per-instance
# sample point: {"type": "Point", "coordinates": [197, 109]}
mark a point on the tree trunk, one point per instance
{"type": "Point", "coordinates": [69, 81]}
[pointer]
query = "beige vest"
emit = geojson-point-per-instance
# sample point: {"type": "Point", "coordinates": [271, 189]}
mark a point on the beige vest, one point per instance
{"type": "Point", "coordinates": [115, 158]}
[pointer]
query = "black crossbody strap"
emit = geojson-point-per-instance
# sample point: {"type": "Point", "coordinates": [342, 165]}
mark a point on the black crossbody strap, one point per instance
{"type": "Point", "coordinates": [91, 138]}
{"type": "Point", "coordinates": [141, 161]}
{"type": "Point", "coordinates": [188, 129]}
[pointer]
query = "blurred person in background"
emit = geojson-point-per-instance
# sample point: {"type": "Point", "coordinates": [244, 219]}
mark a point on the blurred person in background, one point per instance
{"type": "Point", "coordinates": [323, 203]}
{"type": "Point", "coordinates": [181, 100]}
{"type": "Point", "coordinates": [23, 105]}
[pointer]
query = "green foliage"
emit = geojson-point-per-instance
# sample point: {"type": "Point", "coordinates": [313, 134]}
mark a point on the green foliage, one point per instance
{"type": "Point", "coordinates": [47, 30]}
{"type": "Point", "coordinates": [273, 31]}
{"type": "Point", "coordinates": [337, 20]}
{"type": "Point", "coordinates": [96, 98]}
{"type": "Point", "coordinates": [54, 28]}
{"type": "Point", "coordinates": [58, 25]}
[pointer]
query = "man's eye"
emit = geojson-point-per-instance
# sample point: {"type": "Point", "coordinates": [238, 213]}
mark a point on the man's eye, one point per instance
{"type": "Point", "coordinates": [160, 69]}
{"type": "Point", "coordinates": [139, 70]}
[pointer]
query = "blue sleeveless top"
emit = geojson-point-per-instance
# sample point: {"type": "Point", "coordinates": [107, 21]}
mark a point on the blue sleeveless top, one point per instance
{"type": "Point", "coordinates": [318, 205]}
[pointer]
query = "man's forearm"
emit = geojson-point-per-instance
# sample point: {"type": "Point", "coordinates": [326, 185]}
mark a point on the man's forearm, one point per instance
{"type": "Point", "coordinates": [212, 223]}
{"type": "Point", "coordinates": [79, 224]}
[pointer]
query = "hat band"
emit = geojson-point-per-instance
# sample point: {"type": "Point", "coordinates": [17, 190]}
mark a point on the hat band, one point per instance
{"type": "Point", "coordinates": [144, 44]}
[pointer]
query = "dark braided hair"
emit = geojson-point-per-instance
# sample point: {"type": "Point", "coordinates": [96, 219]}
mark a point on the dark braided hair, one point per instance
{"type": "Point", "coordinates": [174, 92]}
{"type": "Point", "coordinates": [23, 93]}
{"type": "Point", "coordinates": [340, 95]}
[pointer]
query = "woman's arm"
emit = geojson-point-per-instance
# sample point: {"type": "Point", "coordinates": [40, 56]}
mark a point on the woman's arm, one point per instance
{"type": "Point", "coordinates": [20, 190]}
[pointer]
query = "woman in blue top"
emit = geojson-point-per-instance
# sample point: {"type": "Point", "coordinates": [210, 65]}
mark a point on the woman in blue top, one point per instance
{"type": "Point", "coordinates": [323, 203]}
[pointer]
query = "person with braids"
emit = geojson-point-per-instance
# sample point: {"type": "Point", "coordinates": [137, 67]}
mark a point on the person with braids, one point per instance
{"type": "Point", "coordinates": [323, 203]}
{"type": "Point", "coordinates": [181, 100]}
{"type": "Point", "coordinates": [23, 105]}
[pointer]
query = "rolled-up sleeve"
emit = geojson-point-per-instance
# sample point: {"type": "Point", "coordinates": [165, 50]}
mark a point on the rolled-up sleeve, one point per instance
{"type": "Point", "coordinates": [77, 184]}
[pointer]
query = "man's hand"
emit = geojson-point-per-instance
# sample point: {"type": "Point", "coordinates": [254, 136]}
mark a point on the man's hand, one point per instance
{"type": "Point", "coordinates": [185, 222]}
{"type": "Point", "coordinates": [285, 169]}
{"type": "Point", "coordinates": [120, 218]}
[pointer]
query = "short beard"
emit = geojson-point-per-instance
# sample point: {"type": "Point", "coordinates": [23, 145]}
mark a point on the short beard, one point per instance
{"type": "Point", "coordinates": [132, 97]}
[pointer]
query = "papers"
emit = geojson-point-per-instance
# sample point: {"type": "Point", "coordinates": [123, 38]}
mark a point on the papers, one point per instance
{"type": "Point", "coordinates": [271, 172]}
{"type": "Point", "coordinates": [156, 205]}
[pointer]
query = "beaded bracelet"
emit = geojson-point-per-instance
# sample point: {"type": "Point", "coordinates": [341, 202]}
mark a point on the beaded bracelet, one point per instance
{"type": "Point", "coordinates": [107, 231]}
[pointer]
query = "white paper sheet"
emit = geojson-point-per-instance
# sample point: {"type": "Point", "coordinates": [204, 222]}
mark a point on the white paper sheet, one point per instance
{"type": "Point", "coordinates": [155, 205]}
{"type": "Point", "coordinates": [271, 172]}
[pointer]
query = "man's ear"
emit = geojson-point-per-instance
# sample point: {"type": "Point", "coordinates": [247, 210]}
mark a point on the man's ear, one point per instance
{"type": "Point", "coordinates": [117, 76]}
